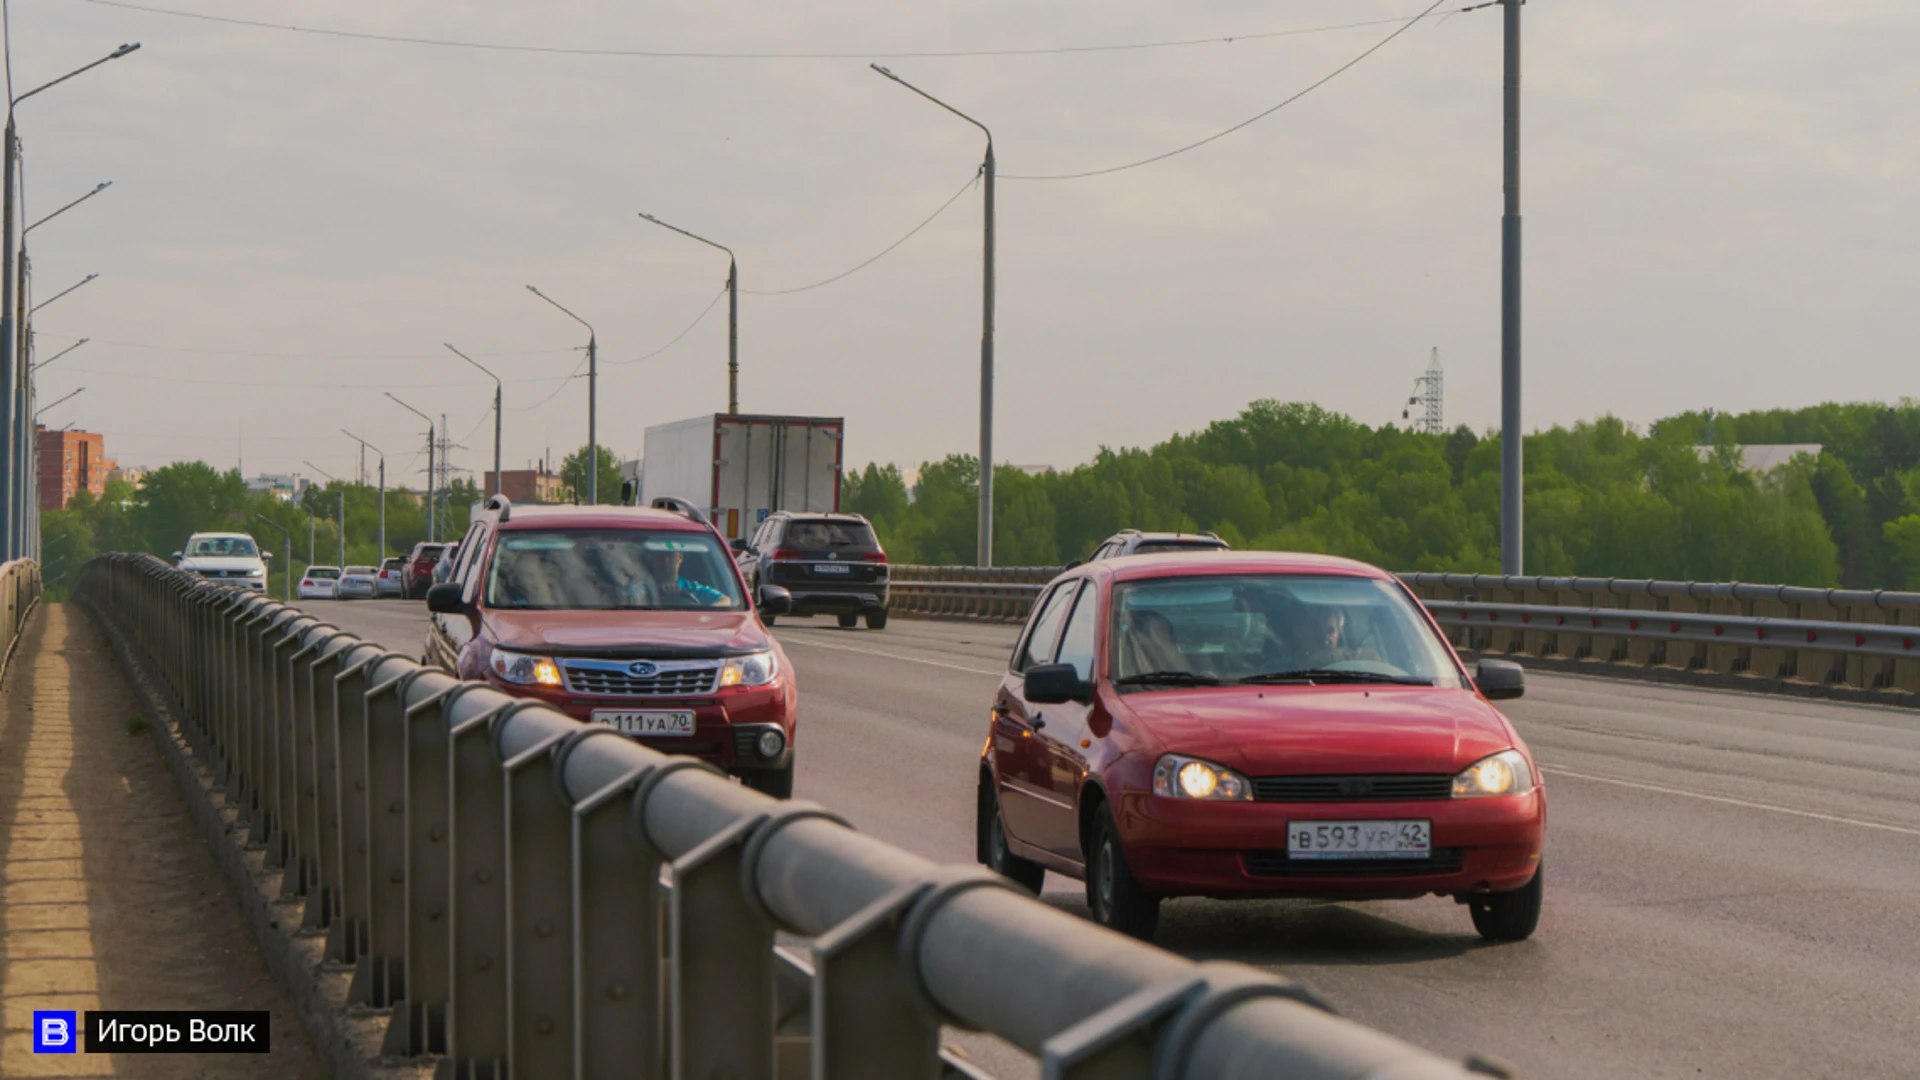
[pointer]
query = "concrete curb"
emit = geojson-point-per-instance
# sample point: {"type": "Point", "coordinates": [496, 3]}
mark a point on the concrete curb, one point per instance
{"type": "Point", "coordinates": [347, 1039]}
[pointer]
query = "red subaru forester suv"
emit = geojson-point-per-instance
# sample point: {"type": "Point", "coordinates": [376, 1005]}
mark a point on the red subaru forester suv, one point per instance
{"type": "Point", "coordinates": [1235, 724]}
{"type": "Point", "coordinates": [631, 617]}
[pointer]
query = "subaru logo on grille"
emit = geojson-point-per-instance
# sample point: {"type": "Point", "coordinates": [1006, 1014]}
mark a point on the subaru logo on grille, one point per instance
{"type": "Point", "coordinates": [643, 669]}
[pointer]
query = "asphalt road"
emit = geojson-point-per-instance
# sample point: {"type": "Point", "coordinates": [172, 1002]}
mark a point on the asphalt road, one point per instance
{"type": "Point", "coordinates": [1733, 889]}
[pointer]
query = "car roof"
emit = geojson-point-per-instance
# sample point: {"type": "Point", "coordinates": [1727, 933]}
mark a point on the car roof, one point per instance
{"type": "Point", "coordinates": [1163, 537]}
{"type": "Point", "coordinates": [220, 536]}
{"type": "Point", "coordinates": [811, 515]}
{"type": "Point", "coordinates": [1188, 563]}
{"type": "Point", "coordinates": [597, 517]}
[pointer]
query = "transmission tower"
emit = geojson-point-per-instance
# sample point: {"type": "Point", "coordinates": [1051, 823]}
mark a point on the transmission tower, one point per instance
{"type": "Point", "coordinates": [441, 481]}
{"type": "Point", "coordinates": [1429, 392]}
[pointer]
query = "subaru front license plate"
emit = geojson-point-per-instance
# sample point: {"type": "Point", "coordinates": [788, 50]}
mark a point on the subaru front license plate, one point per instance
{"type": "Point", "coordinates": [645, 722]}
{"type": "Point", "coordinates": [1359, 839]}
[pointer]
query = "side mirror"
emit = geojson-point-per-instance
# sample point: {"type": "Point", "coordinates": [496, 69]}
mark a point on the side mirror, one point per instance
{"type": "Point", "coordinates": [445, 599]}
{"type": "Point", "coordinates": [176, 555]}
{"type": "Point", "coordinates": [626, 493]}
{"type": "Point", "coordinates": [1500, 679]}
{"type": "Point", "coordinates": [265, 555]}
{"type": "Point", "coordinates": [775, 600]}
{"type": "Point", "coordinates": [738, 544]}
{"type": "Point", "coordinates": [1057, 684]}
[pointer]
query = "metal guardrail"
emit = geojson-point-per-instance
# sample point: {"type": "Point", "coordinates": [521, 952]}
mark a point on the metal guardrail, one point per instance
{"type": "Point", "coordinates": [493, 873]}
{"type": "Point", "coordinates": [1862, 639]}
{"type": "Point", "coordinates": [20, 591]}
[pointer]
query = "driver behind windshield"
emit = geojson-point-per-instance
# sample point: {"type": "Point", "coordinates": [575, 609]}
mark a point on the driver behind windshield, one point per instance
{"type": "Point", "coordinates": [662, 586]}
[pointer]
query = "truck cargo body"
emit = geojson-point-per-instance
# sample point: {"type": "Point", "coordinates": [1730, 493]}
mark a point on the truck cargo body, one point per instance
{"type": "Point", "coordinates": [742, 468]}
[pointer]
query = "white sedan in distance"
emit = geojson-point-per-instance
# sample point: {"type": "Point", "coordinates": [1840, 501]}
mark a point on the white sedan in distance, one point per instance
{"type": "Point", "coordinates": [393, 578]}
{"type": "Point", "coordinates": [320, 583]}
{"type": "Point", "coordinates": [358, 583]}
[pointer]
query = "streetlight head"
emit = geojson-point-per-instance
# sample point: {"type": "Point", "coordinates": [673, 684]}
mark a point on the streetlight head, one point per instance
{"type": "Point", "coordinates": [124, 50]}
{"type": "Point", "coordinates": [104, 185]}
{"type": "Point", "coordinates": [648, 216]}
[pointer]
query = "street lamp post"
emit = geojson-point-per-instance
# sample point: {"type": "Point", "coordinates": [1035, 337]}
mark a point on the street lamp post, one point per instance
{"type": "Point", "coordinates": [984, 545]}
{"type": "Point", "coordinates": [13, 409]}
{"type": "Point", "coordinates": [340, 546]}
{"type": "Point", "coordinates": [733, 312]}
{"type": "Point", "coordinates": [432, 533]}
{"type": "Point", "coordinates": [287, 584]}
{"type": "Point", "coordinates": [593, 380]}
{"type": "Point", "coordinates": [364, 447]}
{"type": "Point", "coordinates": [497, 412]}
{"type": "Point", "coordinates": [1511, 496]}
{"type": "Point", "coordinates": [51, 404]}
{"type": "Point", "coordinates": [60, 354]}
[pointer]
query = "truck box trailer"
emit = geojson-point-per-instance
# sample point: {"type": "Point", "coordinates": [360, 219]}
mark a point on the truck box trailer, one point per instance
{"type": "Point", "coordinates": [742, 468]}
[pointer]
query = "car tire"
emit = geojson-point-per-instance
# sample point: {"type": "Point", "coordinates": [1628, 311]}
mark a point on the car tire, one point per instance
{"type": "Point", "coordinates": [876, 620]}
{"type": "Point", "coordinates": [1510, 916]}
{"type": "Point", "coordinates": [848, 622]}
{"type": "Point", "coordinates": [1117, 900]}
{"type": "Point", "coordinates": [994, 853]}
{"type": "Point", "coordinates": [775, 782]}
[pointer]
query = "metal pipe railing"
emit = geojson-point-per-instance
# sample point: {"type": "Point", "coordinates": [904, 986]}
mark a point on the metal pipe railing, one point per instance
{"type": "Point", "coordinates": [492, 872]}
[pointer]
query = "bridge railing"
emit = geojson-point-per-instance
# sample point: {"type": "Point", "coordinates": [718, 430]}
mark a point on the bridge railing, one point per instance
{"type": "Point", "coordinates": [1779, 636]}
{"type": "Point", "coordinates": [20, 592]}
{"type": "Point", "coordinates": [524, 895]}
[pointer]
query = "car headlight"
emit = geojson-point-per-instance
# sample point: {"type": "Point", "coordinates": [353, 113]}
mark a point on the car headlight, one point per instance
{"type": "Point", "coordinates": [524, 670]}
{"type": "Point", "coordinates": [1191, 778]}
{"type": "Point", "coordinates": [257, 573]}
{"type": "Point", "coordinates": [753, 669]}
{"type": "Point", "coordinates": [1504, 773]}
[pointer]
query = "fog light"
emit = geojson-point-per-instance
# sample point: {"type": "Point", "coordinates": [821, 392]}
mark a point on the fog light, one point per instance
{"type": "Point", "coordinates": [771, 743]}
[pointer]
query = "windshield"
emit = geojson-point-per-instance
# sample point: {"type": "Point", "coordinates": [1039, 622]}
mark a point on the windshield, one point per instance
{"type": "Point", "coordinates": [229, 547]}
{"type": "Point", "coordinates": [360, 571]}
{"type": "Point", "coordinates": [828, 534]}
{"type": "Point", "coordinates": [611, 570]}
{"type": "Point", "coordinates": [1272, 627]}
{"type": "Point", "coordinates": [1161, 547]}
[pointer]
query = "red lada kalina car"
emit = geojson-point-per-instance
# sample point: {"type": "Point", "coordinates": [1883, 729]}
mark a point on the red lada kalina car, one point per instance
{"type": "Point", "coordinates": [1254, 724]}
{"type": "Point", "coordinates": [631, 617]}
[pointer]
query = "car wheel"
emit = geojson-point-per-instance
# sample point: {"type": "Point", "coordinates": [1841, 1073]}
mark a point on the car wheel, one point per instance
{"type": "Point", "coordinates": [775, 782]}
{"type": "Point", "coordinates": [1118, 901]}
{"type": "Point", "coordinates": [1510, 916]}
{"type": "Point", "coordinates": [995, 855]}
{"type": "Point", "coordinates": [848, 622]}
{"type": "Point", "coordinates": [876, 620]}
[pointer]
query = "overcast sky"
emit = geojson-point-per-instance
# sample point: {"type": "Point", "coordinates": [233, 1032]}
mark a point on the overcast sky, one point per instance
{"type": "Point", "coordinates": [1720, 201]}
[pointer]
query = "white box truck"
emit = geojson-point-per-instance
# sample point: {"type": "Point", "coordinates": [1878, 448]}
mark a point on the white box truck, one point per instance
{"type": "Point", "coordinates": [742, 468]}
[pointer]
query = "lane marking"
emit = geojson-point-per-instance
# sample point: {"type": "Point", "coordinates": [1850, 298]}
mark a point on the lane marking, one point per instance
{"type": "Point", "coordinates": [889, 656]}
{"type": "Point", "coordinates": [1555, 770]}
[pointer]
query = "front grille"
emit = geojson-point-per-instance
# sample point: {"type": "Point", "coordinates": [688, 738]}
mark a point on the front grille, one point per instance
{"type": "Point", "coordinates": [221, 573]}
{"type": "Point", "coordinates": [1389, 788]}
{"type": "Point", "coordinates": [614, 679]}
{"type": "Point", "coordinates": [1277, 864]}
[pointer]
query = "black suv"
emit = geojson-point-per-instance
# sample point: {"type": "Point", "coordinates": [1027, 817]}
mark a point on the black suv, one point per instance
{"type": "Point", "coordinates": [1135, 542]}
{"type": "Point", "coordinates": [831, 563]}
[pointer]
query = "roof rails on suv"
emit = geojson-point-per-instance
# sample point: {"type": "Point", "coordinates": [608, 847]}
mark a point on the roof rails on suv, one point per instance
{"type": "Point", "coordinates": [682, 507]}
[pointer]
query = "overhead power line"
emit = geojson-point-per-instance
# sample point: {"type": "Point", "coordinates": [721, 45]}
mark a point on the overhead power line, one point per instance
{"type": "Point", "coordinates": [883, 253]}
{"type": "Point", "coordinates": [313, 355]}
{"type": "Point", "coordinates": [1405, 26]}
{"type": "Point", "coordinates": [697, 320]}
{"type": "Point", "coordinates": [693, 54]}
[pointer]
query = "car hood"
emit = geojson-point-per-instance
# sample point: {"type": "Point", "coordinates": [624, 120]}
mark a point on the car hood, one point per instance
{"type": "Point", "coordinates": [655, 634]}
{"type": "Point", "coordinates": [219, 562]}
{"type": "Point", "coordinates": [1319, 731]}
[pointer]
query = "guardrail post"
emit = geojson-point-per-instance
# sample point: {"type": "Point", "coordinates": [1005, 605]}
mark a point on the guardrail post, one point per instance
{"type": "Point", "coordinates": [868, 1020]}
{"type": "Point", "coordinates": [477, 903]}
{"type": "Point", "coordinates": [420, 1026]}
{"type": "Point", "coordinates": [720, 969]}
{"type": "Point", "coordinates": [378, 976]}
{"type": "Point", "coordinates": [539, 880]}
{"type": "Point", "coordinates": [347, 937]}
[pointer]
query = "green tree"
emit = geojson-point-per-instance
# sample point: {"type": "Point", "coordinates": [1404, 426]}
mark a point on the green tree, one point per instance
{"type": "Point", "coordinates": [573, 473]}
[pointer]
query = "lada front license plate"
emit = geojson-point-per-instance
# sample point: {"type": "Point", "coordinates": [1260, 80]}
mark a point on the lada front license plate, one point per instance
{"type": "Point", "coordinates": [1359, 839]}
{"type": "Point", "coordinates": [645, 722]}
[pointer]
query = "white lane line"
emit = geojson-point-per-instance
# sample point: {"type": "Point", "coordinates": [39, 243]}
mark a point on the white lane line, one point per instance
{"type": "Point", "coordinates": [1554, 770]}
{"type": "Point", "coordinates": [889, 656]}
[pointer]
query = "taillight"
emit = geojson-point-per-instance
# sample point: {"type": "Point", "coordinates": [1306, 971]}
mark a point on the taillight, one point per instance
{"type": "Point", "coordinates": [874, 556]}
{"type": "Point", "coordinates": [306, 581]}
{"type": "Point", "coordinates": [784, 553]}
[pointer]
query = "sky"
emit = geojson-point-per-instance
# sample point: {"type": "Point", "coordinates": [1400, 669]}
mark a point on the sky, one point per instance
{"type": "Point", "coordinates": [1721, 201]}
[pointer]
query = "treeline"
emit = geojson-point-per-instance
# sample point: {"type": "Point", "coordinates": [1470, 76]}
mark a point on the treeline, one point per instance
{"type": "Point", "coordinates": [1602, 499]}
{"type": "Point", "coordinates": [188, 497]}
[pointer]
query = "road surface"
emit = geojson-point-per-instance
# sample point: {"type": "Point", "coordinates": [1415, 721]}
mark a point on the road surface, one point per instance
{"type": "Point", "coordinates": [1733, 889]}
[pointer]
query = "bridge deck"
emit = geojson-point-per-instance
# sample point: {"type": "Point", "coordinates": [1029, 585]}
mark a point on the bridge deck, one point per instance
{"type": "Point", "coordinates": [108, 896]}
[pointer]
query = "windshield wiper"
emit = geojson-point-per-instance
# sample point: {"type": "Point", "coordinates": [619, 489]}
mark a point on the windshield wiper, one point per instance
{"type": "Point", "coordinates": [1168, 678]}
{"type": "Point", "coordinates": [1331, 675]}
